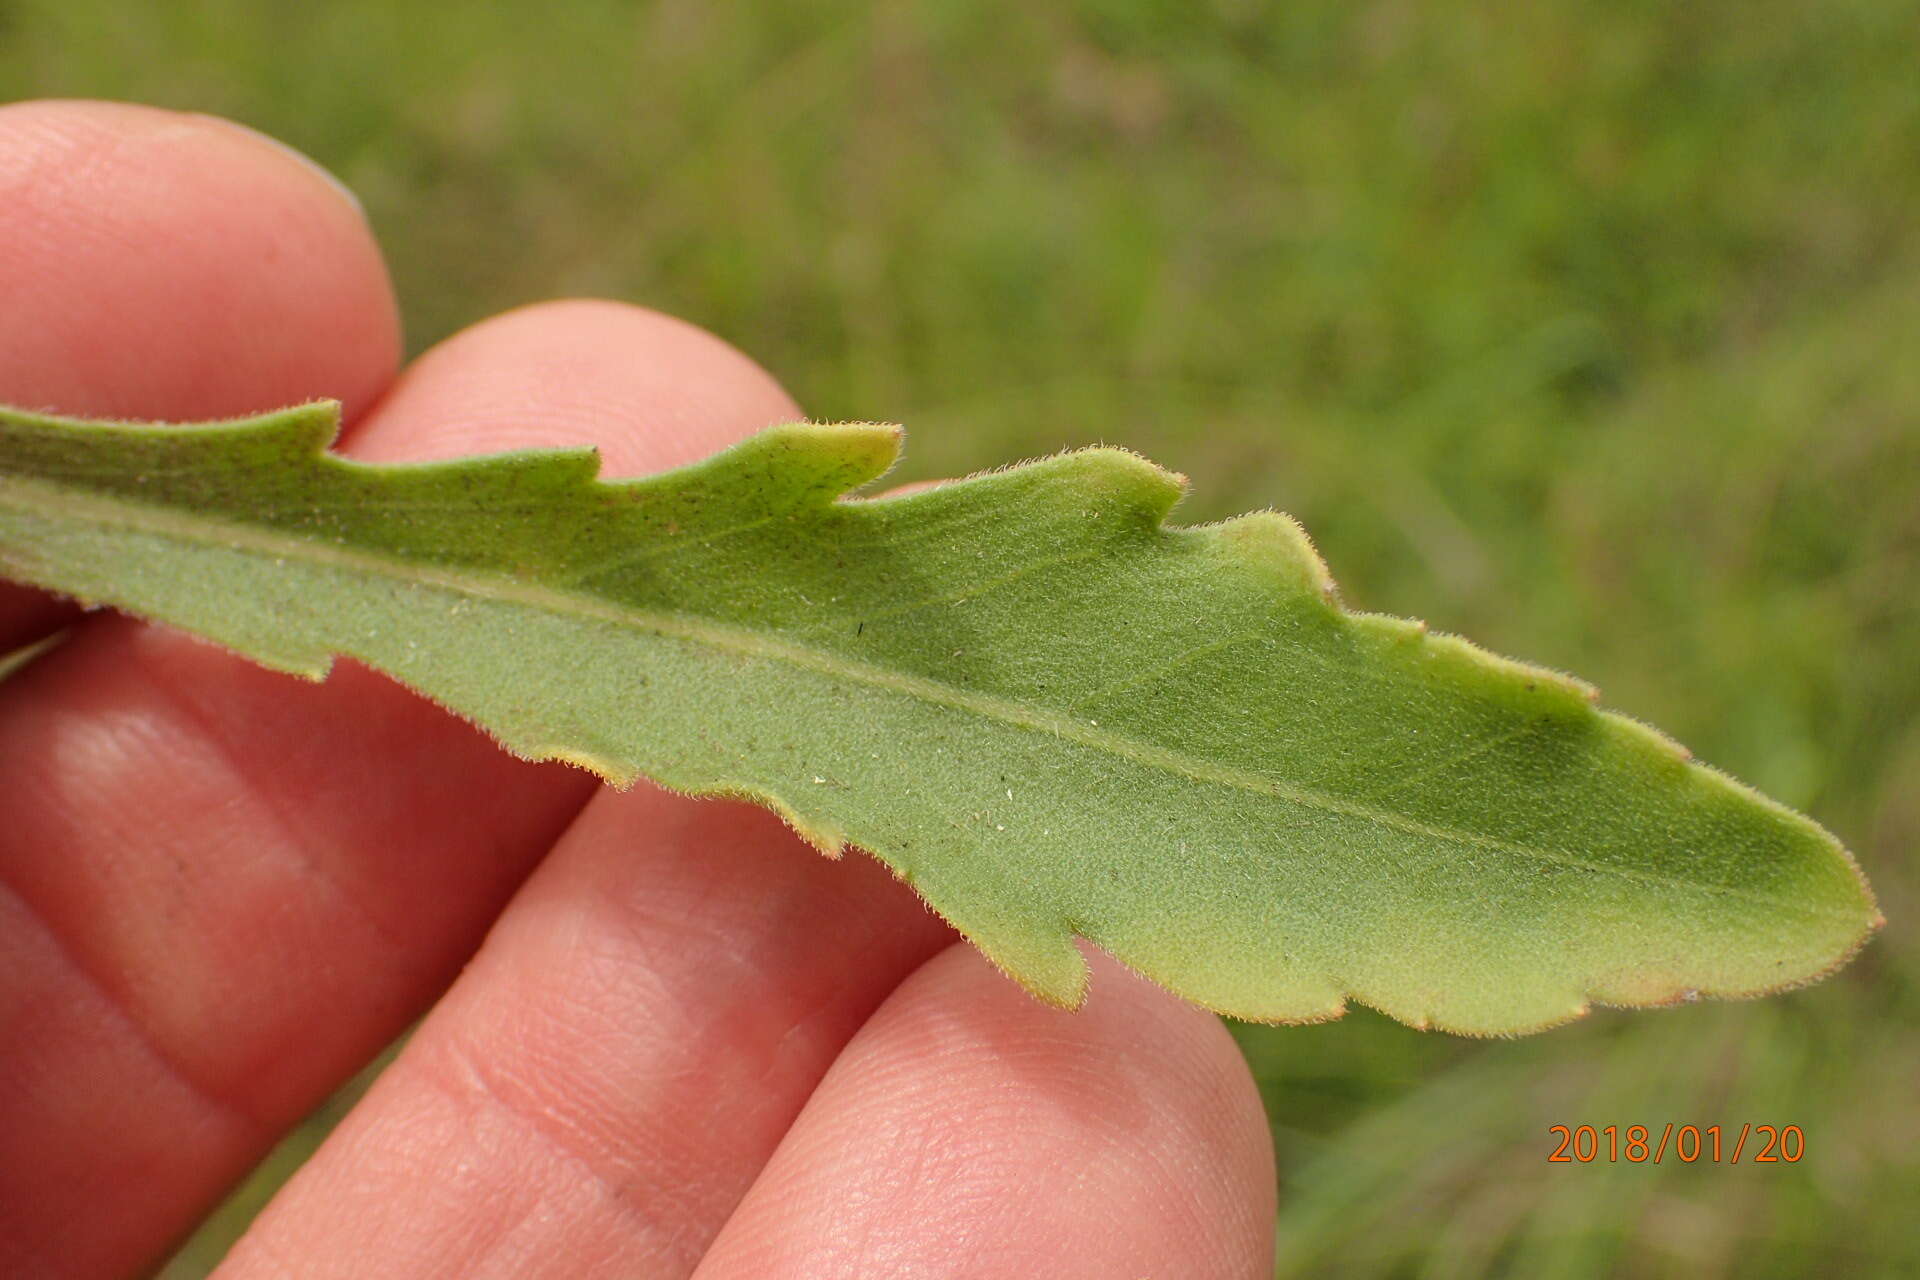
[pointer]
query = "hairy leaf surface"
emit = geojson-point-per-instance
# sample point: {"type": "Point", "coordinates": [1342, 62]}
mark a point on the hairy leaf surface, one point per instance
{"type": "Point", "coordinates": [1047, 710]}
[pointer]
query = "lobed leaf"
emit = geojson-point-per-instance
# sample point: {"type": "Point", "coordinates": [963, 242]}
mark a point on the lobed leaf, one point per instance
{"type": "Point", "coordinates": [1050, 712]}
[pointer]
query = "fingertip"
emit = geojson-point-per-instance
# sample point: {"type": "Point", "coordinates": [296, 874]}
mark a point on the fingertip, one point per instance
{"type": "Point", "coordinates": [329, 181]}
{"type": "Point", "coordinates": [648, 390]}
{"type": "Point", "coordinates": [1133, 1054]}
{"type": "Point", "coordinates": [156, 264]}
{"type": "Point", "coordinates": [972, 1127]}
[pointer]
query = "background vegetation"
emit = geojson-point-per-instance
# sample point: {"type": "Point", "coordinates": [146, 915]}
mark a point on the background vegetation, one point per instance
{"type": "Point", "coordinates": [1590, 330]}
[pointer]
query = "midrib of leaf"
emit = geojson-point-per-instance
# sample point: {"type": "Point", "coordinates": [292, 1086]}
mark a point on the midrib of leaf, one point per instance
{"type": "Point", "coordinates": [61, 503]}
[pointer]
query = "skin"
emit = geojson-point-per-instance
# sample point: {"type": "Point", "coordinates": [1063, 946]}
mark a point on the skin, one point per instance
{"type": "Point", "coordinates": [661, 1037]}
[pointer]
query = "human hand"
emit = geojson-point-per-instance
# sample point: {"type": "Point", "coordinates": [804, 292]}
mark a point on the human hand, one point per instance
{"type": "Point", "coordinates": [682, 1041]}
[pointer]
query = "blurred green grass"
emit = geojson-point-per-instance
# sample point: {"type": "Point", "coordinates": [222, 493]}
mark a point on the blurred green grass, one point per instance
{"type": "Point", "coordinates": [1585, 329]}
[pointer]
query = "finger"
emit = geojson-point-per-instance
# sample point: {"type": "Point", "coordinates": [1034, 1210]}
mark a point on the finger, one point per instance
{"type": "Point", "coordinates": [617, 1064]}
{"type": "Point", "coordinates": [649, 391]}
{"type": "Point", "coordinates": [151, 265]}
{"type": "Point", "coordinates": [969, 1130]}
{"type": "Point", "coordinates": [232, 887]}
{"type": "Point", "coordinates": [168, 266]}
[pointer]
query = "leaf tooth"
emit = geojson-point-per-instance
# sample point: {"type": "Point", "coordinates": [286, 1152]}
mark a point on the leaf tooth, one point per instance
{"type": "Point", "coordinates": [1342, 1003]}
{"type": "Point", "coordinates": [829, 458]}
{"type": "Point", "coordinates": [304, 430]}
{"type": "Point", "coordinates": [307, 428]}
{"type": "Point", "coordinates": [1411, 631]}
{"type": "Point", "coordinates": [1545, 685]}
{"type": "Point", "coordinates": [786, 470]}
{"type": "Point", "coordinates": [620, 776]}
{"type": "Point", "coordinates": [826, 837]}
{"type": "Point", "coordinates": [565, 468]}
{"type": "Point", "coordinates": [1137, 487]}
{"type": "Point", "coordinates": [1046, 962]}
{"type": "Point", "coordinates": [1273, 539]}
{"type": "Point", "coordinates": [1070, 994]}
{"type": "Point", "coordinates": [1645, 734]}
{"type": "Point", "coordinates": [1580, 1008]}
{"type": "Point", "coordinates": [1275, 542]}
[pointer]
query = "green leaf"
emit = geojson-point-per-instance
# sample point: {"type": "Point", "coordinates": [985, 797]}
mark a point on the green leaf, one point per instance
{"type": "Point", "coordinates": [1048, 711]}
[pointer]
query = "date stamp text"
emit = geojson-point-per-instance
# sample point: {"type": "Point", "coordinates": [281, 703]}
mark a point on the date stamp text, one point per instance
{"type": "Point", "coordinates": [1686, 1143]}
